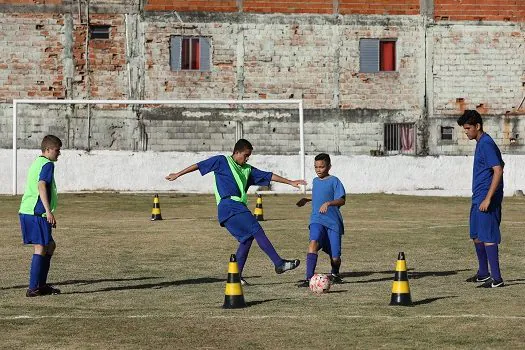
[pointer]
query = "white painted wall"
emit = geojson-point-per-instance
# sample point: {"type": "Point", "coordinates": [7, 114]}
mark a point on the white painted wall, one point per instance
{"type": "Point", "coordinates": [145, 171]}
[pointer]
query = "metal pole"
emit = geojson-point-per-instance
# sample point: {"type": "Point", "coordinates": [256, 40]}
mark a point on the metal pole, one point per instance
{"type": "Point", "coordinates": [301, 140]}
{"type": "Point", "coordinates": [14, 148]}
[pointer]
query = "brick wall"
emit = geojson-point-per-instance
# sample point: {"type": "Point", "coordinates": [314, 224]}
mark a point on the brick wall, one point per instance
{"type": "Point", "coordinates": [379, 7]}
{"type": "Point", "coordinates": [479, 10]}
{"type": "Point", "coordinates": [31, 54]}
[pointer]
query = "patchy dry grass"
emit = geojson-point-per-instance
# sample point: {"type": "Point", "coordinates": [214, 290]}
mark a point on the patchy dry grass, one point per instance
{"type": "Point", "coordinates": [129, 282]}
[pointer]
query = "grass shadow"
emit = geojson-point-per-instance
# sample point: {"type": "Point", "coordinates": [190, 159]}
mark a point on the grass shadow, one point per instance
{"type": "Point", "coordinates": [159, 285]}
{"type": "Point", "coordinates": [86, 282]}
{"type": "Point", "coordinates": [431, 300]}
{"type": "Point", "coordinates": [416, 275]}
{"type": "Point", "coordinates": [257, 302]}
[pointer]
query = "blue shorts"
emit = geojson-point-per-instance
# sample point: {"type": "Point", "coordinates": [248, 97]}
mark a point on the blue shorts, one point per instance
{"type": "Point", "coordinates": [328, 239]}
{"type": "Point", "coordinates": [485, 225]}
{"type": "Point", "coordinates": [35, 229]}
{"type": "Point", "coordinates": [242, 226]}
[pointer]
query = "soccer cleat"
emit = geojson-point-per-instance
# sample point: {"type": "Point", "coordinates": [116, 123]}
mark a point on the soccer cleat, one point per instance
{"type": "Point", "coordinates": [30, 293]}
{"type": "Point", "coordinates": [244, 282]}
{"type": "Point", "coordinates": [336, 279]}
{"type": "Point", "coordinates": [477, 278]}
{"type": "Point", "coordinates": [303, 284]}
{"type": "Point", "coordinates": [492, 284]}
{"type": "Point", "coordinates": [49, 290]}
{"type": "Point", "coordinates": [287, 265]}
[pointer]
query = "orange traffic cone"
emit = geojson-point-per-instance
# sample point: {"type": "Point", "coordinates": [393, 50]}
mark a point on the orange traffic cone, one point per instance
{"type": "Point", "coordinates": [258, 212]}
{"type": "Point", "coordinates": [155, 212]}
{"type": "Point", "coordinates": [400, 287]}
{"type": "Point", "coordinates": [233, 296]}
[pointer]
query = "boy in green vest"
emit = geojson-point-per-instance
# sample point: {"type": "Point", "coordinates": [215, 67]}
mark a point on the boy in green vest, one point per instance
{"type": "Point", "coordinates": [36, 215]}
{"type": "Point", "coordinates": [233, 177]}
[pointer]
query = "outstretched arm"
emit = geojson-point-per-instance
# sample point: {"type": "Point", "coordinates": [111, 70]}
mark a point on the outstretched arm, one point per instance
{"type": "Point", "coordinates": [175, 176]}
{"type": "Point", "coordinates": [294, 183]}
{"type": "Point", "coordinates": [303, 201]}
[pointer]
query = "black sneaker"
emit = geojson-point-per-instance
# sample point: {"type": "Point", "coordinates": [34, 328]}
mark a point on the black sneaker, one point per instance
{"type": "Point", "coordinates": [303, 284]}
{"type": "Point", "coordinates": [492, 284]}
{"type": "Point", "coordinates": [49, 290]}
{"type": "Point", "coordinates": [477, 278]}
{"type": "Point", "coordinates": [31, 293]}
{"type": "Point", "coordinates": [287, 265]}
{"type": "Point", "coordinates": [336, 279]}
{"type": "Point", "coordinates": [244, 282]}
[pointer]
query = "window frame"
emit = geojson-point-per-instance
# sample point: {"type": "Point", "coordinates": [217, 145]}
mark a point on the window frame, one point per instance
{"type": "Point", "coordinates": [180, 53]}
{"type": "Point", "coordinates": [447, 127]}
{"type": "Point", "coordinates": [370, 55]}
{"type": "Point", "coordinates": [96, 30]}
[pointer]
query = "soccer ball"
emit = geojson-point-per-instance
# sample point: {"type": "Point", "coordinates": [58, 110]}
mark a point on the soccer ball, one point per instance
{"type": "Point", "coordinates": [319, 284]}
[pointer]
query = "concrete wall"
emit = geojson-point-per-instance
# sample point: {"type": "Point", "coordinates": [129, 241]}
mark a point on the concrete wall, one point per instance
{"type": "Point", "coordinates": [145, 171]}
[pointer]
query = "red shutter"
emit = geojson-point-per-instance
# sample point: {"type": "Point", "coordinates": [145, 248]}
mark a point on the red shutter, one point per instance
{"type": "Point", "coordinates": [387, 56]}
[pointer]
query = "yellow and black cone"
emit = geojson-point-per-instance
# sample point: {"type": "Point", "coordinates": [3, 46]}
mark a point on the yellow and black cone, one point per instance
{"type": "Point", "coordinates": [233, 296]}
{"type": "Point", "coordinates": [400, 287]}
{"type": "Point", "coordinates": [258, 212]}
{"type": "Point", "coordinates": [155, 212]}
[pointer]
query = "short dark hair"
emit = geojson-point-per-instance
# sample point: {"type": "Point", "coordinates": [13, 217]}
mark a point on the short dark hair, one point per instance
{"type": "Point", "coordinates": [242, 145]}
{"type": "Point", "coordinates": [50, 141]}
{"type": "Point", "coordinates": [325, 157]}
{"type": "Point", "coordinates": [470, 117]}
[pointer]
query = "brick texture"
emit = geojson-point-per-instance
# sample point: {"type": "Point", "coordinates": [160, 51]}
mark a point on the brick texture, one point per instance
{"type": "Point", "coordinates": [379, 7]}
{"type": "Point", "coordinates": [479, 10]}
{"type": "Point", "coordinates": [192, 5]}
{"type": "Point", "coordinates": [31, 56]}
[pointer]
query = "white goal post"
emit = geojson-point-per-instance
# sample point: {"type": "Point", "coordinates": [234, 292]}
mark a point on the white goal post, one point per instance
{"type": "Point", "coordinates": [296, 102]}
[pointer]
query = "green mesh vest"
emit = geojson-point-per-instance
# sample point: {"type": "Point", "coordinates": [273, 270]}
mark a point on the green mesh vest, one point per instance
{"type": "Point", "coordinates": [240, 174]}
{"type": "Point", "coordinates": [30, 197]}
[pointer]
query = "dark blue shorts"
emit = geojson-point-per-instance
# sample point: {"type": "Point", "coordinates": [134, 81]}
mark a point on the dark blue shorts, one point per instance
{"type": "Point", "coordinates": [485, 225]}
{"type": "Point", "coordinates": [35, 229]}
{"type": "Point", "coordinates": [328, 239]}
{"type": "Point", "coordinates": [242, 226]}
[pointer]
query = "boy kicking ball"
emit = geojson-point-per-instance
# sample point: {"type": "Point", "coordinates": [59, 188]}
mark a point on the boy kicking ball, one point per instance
{"type": "Point", "coordinates": [326, 221]}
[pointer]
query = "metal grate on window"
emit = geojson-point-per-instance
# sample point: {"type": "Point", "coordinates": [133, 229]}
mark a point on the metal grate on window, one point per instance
{"type": "Point", "coordinates": [99, 31]}
{"type": "Point", "coordinates": [400, 138]}
{"type": "Point", "coordinates": [447, 132]}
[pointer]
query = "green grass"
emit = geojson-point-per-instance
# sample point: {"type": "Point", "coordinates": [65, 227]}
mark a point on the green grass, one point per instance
{"type": "Point", "coordinates": [128, 282]}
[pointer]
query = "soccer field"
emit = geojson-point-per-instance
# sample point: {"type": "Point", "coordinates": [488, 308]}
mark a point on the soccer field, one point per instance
{"type": "Point", "coordinates": [128, 282]}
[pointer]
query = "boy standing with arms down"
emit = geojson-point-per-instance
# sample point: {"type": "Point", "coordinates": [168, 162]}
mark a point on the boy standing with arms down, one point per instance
{"type": "Point", "coordinates": [233, 177]}
{"type": "Point", "coordinates": [36, 215]}
{"type": "Point", "coordinates": [326, 221]}
{"type": "Point", "coordinates": [487, 196]}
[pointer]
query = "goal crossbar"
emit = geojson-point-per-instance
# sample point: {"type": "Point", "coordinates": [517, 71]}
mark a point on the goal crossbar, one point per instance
{"type": "Point", "coordinates": [297, 102]}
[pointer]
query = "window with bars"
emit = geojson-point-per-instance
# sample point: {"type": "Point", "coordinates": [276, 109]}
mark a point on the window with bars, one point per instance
{"type": "Point", "coordinates": [99, 31]}
{"type": "Point", "coordinates": [377, 55]}
{"type": "Point", "coordinates": [190, 53]}
{"type": "Point", "coordinates": [447, 132]}
{"type": "Point", "coordinates": [400, 138]}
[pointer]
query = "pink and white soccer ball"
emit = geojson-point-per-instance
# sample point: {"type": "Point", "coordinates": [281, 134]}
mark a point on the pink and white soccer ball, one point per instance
{"type": "Point", "coordinates": [319, 283]}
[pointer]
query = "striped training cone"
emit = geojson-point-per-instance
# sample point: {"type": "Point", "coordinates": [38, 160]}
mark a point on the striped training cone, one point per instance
{"type": "Point", "coordinates": [155, 212]}
{"type": "Point", "coordinates": [233, 297]}
{"type": "Point", "coordinates": [258, 212]}
{"type": "Point", "coordinates": [400, 287]}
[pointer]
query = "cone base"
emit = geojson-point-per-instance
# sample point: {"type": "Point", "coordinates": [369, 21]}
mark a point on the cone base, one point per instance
{"type": "Point", "coordinates": [156, 217]}
{"type": "Point", "coordinates": [233, 302]}
{"type": "Point", "coordinates": [259, 217]}
{"type": "Point", "coordinates": [401, 299]}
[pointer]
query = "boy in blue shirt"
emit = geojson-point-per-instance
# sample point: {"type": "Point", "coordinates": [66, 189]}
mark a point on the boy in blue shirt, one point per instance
{"type": "Point", "coordinates": [36, 215]}
{"type": "Point", "coordinates": [326, 221]}
{"type": "Point", "coordinates": [487, 196]}
{"type": "Point", "coordinates": [233, 177]}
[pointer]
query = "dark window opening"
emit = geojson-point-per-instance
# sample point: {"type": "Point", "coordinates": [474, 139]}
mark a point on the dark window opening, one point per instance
{"type": "Point", "coordinates": [99, 32]}
{"type": "Point", "coordinates": [447, 132]}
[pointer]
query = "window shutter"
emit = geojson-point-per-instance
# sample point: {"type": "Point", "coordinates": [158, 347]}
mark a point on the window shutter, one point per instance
{"type": "Point", "coordinates": [205, 47]}
{"type": "Point", "coordinates": [175, 52]}
{"type": "Point", "coordinates": [369, 55]}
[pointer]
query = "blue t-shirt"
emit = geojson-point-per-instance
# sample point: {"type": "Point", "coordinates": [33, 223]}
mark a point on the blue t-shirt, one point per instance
{"type": "Point", "coordinates": [325, 190]}
{"type": "Point", "coordinates": [486, 156]}
{"type": "Point", "coordinates": [46, 174]}
{"type": "Point", "coordinates": [227, 186]}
